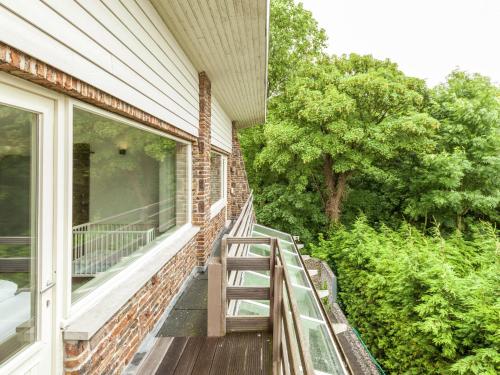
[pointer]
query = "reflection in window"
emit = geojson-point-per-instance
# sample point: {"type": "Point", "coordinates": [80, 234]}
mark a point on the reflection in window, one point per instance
{"type": "Point", "coordinates": [17, 229]}
{"type": "Point", "coordinates": [129, 187]}
{"type": "Point", "coordinates": [215, 177]}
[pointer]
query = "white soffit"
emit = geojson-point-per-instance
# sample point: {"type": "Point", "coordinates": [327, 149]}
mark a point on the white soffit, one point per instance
{"type": "Point", "coordinates": [228, 40]}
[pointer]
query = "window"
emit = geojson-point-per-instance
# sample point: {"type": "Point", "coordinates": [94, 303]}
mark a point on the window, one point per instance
{"type": "Point", "coordinates": [129, 187]}
{"type": "Point", "coordinates": [217, 171]}
{"type": "Point", "coordinates": [18, 255]}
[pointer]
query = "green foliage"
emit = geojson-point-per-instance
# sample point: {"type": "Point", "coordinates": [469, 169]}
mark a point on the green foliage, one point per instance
{"type": "Point", "coordinates": [294, 38]}
{"type": "Point", "coordinates": [340, 117]}
{"type": "Point", "coordinates": [460, 179]}
{"type": "Point", "coordinates": [295, 211]}
{"type": "Point", "coordinates": [354, 108]}
{"type": "Point", "coordinates": [354, 135]}
{"type": "Point", "coordinates": [424, 304]}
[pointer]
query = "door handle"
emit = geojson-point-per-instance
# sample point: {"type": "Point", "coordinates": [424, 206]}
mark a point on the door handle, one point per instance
{"type": "Point", "coordinates": [48, 287]}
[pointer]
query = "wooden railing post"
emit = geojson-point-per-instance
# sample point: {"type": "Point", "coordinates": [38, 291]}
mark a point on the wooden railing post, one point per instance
{"type": "Point", "coordinates": [290, 348]}
{"type": "Point", "coordinates": [303, 344]}
{"type": "Point", "coordinates": [214, 323]}
{"type": "Point", "coordinates": [277, 318]}
{"type": "Point", "coordinates": [272, 263]}
{"type": "Point", "coordinates": [223, 286]}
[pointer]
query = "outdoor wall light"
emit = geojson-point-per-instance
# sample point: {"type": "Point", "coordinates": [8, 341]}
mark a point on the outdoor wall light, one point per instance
{"type": "Point", "coordinates": [122, 148]}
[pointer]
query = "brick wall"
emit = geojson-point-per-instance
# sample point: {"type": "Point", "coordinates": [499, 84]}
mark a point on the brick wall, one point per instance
{"type": "Point", "coordinates": [24, 66]}
{"type": "Point", "coordinates": [113, 346]}
{"type": "Point", "coordinates": [201, 178]}
{"type": "Point", "coordinates": [239, 189]}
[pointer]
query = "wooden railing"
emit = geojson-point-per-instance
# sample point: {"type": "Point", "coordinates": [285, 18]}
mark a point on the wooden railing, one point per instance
{"type": "Point", "coordinates": [290, 347]}
{"type": "Point", "coordinates": [243, 224]}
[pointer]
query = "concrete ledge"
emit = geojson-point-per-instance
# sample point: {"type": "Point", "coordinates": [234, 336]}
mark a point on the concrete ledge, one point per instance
{"type": "Point", "coordinates": [89, 321]}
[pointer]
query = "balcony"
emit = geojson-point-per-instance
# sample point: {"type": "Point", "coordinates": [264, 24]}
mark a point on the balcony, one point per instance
{"type": "Point", "coordinates": [258, 313]}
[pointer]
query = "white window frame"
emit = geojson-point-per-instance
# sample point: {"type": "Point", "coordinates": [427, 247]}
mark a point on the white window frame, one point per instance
{"type": "Point", "coordinates": [90, 300]}
{"type": "Point", "coordinates": [216, 207]}
{"type": "Point", "coordinates": [32, 98]}
{"type": "Point", "coordinates": [57, 202]}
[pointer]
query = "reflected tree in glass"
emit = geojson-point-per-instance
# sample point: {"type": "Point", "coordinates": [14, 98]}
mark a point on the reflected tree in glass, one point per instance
{"type": "Point", "coordinates": [17, 229]}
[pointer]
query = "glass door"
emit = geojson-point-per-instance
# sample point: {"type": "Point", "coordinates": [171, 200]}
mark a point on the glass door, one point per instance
{"type": "Point", "coordinates": [26, 308]}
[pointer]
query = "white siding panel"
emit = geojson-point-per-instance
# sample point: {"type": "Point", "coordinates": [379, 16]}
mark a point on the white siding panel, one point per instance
{"type": "Point", "coordinates": [221, 130]}
{"type": "Point", "coordinates": [117, 46]}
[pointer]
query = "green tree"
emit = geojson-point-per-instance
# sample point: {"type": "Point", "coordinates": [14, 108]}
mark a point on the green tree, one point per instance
{"type": "Point", "coordinates": [339, 117]}
{"type": "Point", "coordinates": [460, 179]}
{"type": "Point", "coordinates": [424, 304]}
{"type": "Point", "coordinates": [295, 37]}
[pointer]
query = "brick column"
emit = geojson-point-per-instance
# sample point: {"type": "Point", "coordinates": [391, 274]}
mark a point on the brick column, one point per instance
{"type": "Point", "coordinates": [239, 188]}
{"type": "Point", "coordinates": [201, 171]}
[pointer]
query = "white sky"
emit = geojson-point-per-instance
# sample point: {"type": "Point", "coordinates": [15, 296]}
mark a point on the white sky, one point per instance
{"type": "Point", "coordinates": [427, 38]}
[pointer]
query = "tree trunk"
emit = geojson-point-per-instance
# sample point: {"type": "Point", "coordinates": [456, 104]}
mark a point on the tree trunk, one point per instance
{"type": "Point", "coordinates": [335, 187]}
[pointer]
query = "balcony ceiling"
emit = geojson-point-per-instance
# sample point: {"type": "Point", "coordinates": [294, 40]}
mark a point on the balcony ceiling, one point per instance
{"type": "Point", "coordinates": [228, 40]}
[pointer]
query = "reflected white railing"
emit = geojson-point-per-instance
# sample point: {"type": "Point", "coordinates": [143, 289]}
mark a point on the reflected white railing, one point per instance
{"type": "Point", "coordinates": [99, 245]}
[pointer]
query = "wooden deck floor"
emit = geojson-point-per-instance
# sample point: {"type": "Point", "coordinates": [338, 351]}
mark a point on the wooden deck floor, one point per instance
{"type": "Point", "coordinates": [236, 353]}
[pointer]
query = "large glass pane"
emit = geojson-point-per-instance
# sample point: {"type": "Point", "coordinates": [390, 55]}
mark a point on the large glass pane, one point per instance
{"type": "Point", "coordinates": [268, 232]}
{"type": "Point", "coordinates": [262, 250]}
{"type": "Point", "coordinates": [292, 259]}
{"type": "Point", "coordinates": [215, 177]}
{"type": "Point", "coordinates": [251, 308]}
{"type": "Point", "coordinates": [18, 160]}
{"type": "Point", "coordinates": [129, 187]}
{"type": "Point", "coordinates": [306, 303]}
{"type": "Point", "coordinates": [298, 277]}
{"type": "Point", "coordinates": [287, 246]}
{"type": "Point", "coordinates": [320, 343]}
{"type": "Point", "coordinates": [255, 279]}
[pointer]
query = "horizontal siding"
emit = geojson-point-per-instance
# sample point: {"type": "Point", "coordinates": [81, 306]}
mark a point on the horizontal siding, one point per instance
{"type": "Point", "coordinates": [221, 127]}
{"type": "Point", "coordinates": [121, 47]}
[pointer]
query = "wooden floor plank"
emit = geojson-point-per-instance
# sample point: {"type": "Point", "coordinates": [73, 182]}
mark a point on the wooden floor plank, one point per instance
{"type": "Point", "coordinates": [253, 354]}
{"type": "Point", "coordinates": [189, 355]}
{"type": "Point", "coordinates": [220, 364]}
{"type": "Point", "coordinates": [155, 357]}
{"type": "Point", "coordinates": [267, 353]}
{"type": "Point", "coordinates": [246, 353]}
{"type": "Point", "coordinates": [239, 348]}
{"type": "Point", "coordinates": [206, 356]}
{"type": "Point", "coordinates": [172, 357]}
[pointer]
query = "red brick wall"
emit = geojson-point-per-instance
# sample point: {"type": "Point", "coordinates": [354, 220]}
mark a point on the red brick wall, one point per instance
{"type": "Point", "coordinates": [201, 178]}
{"type": "Point", "coordinates": [201, 170]}
{"type": "Point", "coordinates": [113, 346]}
{"type": "Point", "coordinates": [22, 65]}
{"type": "Point", "coordinates": [214, 229]}
{"type": "Point", "coordinates": [239, 189]}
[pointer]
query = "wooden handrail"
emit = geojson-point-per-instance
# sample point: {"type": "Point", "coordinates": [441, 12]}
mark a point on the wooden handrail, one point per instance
{"type": "Point", "coordinates": [239, 228]}
{"type": "Point", "coordinates": [302, 344]}
{"type": "Point", "coordinates": [290, 347]}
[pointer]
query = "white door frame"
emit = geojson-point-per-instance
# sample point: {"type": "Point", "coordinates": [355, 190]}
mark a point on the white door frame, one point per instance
{"type": "Point", "coordinates": [39, 357]}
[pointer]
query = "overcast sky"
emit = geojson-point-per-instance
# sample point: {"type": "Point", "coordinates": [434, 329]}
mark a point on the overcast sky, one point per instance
{"type": "Point", "coordinates": [427, 38]}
